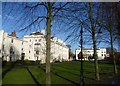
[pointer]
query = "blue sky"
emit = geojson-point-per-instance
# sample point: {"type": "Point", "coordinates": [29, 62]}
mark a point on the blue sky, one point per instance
{"type": "Point", "coordinates": [9, 25]}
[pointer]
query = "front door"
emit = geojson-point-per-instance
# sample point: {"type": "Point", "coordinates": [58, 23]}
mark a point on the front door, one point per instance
{"type": "Point", "coordinates": [22, 56]}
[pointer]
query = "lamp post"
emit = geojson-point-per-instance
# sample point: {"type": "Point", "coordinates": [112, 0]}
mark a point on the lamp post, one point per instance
{"type": "Point", "coordinates": [81, 64]}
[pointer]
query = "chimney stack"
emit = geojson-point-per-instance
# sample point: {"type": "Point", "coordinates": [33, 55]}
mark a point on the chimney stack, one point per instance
{"type": "Point", "coordinates": [13, 34]}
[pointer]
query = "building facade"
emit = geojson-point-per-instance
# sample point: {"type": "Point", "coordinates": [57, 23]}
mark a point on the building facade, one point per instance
{"type": "Point", "coordinates": [31, 47]}
{"type": "Point", "coordinates": [87, 52]}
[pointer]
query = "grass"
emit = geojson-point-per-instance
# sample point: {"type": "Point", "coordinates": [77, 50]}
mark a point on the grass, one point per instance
{"type": "Point", "coordinates": [39, 74]}
{"type": "Point", "coordinates": [18, 75]}
{"type": "Point", "coordinates": [61, 73]}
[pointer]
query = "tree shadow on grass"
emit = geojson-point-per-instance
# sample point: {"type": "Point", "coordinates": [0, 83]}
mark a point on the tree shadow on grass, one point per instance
{"type": "Point", "coordinates": [61, 76]}
{"type": "Point", "coordinates": [89, 78]}
{"type": "Point", "coordinates": [66, 71]}
{"type": "Point", "coordinates": [87, 72]}
{"type": "Point", "coordinates": [10, 66]}
{"type": "Point", "coordinates": [33, 77]}
{"type": "Point", "coordinates": [8, 69]}
{"type": "Point", "coordinates": [68, 68]}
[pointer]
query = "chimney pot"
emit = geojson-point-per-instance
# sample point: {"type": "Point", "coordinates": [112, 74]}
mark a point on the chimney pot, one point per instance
{"type": "Point", "coordinates": [13, 34]}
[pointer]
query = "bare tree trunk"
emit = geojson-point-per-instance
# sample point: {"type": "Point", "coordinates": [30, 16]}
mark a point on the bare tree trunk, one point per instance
{"type": "Point", "coordinates": [111, 10]}
{"type": "Point", "coordinates": [113, 55]}
{"type": "Point", "coordinates": [48, 43]}
{"type": "Point", "coordinates": [112, 49]}
{"type": "Point", "coordinates": [94, 44]}
{"type": "Point", "coordinates": [96, 57]}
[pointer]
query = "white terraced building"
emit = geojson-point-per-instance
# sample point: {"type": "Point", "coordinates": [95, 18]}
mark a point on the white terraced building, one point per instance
{"type": "Point", "coordinates": [31, 47]}
{"type": "Point", "coordinates": [101, 53]}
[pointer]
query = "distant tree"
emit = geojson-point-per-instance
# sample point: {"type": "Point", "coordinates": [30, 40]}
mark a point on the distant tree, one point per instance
{"type": "Point", "coordinates": [90, 57]}
{"type": "Point", "coordinates": [109, 50]}
{"type": "Point", "coordinates": [71, 55]}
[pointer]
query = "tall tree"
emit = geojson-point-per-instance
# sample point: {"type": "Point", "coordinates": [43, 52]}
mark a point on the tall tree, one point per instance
{"type": "Point", "coordinates": [33, 14]}
{"type": "Point", "coordinates": [87, 15]}
{"type": "Point", "coordinates": [48, 42]}
{"type": "Point", "coordinates": [93, 29]}
{"type": "Point", "coordinates": [110, 26]}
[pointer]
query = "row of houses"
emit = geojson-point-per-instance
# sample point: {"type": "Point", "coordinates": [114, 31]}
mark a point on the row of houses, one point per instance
{"type": "Point", "coordinates": [31, 47]}
{"type": "Point", "coordinates": [88, 52]}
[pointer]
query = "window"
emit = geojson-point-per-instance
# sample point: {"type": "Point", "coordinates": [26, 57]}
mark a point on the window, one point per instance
{"type": "Point", "coordinates": [30, 46]}
{"type": "Point", "coordinates": [22, 43]}
{"type": "Point", "coordinates": [0, 51]}
{"type": "Point", "coordinates": [39, 40]}
{"type": "Point", "coordinates": [30, 40]}
{"type": "Point", "coordinates": [11, 40]}
{"type": "Point", "coordinates": [37, 52]}
{"type": "Point", "coordinates": [22, 49]}
{"type": "Point", "coordinates": [11, 49]}
{"type": "Point", "coordinates": [3, 46]}
{"type": "Point", "coordinates": [102, 54]}
{"type": "Point", "coordinates": [36, 40]}
{"type": "Point", "coordinates": [29, 51]}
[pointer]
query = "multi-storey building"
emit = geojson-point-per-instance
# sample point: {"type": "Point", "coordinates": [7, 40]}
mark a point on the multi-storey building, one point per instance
{"type": "Point", "coordinates": [101, 53]}
{"type": "Point", "coordinates": [31, 47]}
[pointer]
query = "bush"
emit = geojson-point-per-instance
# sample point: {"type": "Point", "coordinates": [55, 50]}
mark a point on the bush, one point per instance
{"type": "Point", "coordinates": [57, 61]}
{"type": "Point", "coordinates": [38, 61]}
{"type": "Point", "coordinates": [28, 62]}
{"type": "Point", "coordinates": [4, 63]}
{"type": "Point", "coordinates": [90, 58]}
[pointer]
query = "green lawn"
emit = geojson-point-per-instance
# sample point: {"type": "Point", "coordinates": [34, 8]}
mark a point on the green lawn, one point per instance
{"type": "Point", "coordinates": [18, 75]}
{"type": "Point", "coordinates": [61, 73]}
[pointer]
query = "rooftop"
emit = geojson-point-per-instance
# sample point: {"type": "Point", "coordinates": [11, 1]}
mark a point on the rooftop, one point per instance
{"type": "Point", "coordinates": [36, 33]}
